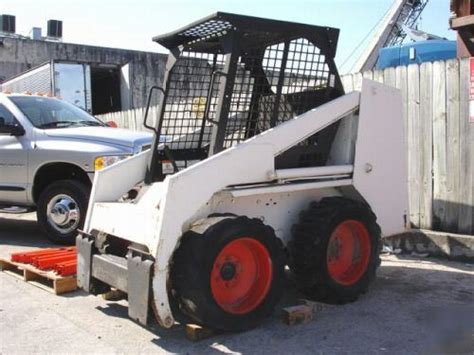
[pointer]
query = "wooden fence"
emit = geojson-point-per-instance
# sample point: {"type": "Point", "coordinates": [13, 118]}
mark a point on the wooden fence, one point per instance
{"type": "Point", "coordinates": [440, 140]}
{"type": "Point", "coordinates": [131, 119]}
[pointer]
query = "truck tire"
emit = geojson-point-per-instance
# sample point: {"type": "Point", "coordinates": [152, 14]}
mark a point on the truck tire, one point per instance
{"type": "Point", "coordinates": [230, 276]}
{"type": "Point", "coordinates": [334, 250]}
{"type": "Point", "coordinates": [61, 210]}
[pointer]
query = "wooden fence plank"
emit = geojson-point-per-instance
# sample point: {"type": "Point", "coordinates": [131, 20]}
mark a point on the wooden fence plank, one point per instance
{"type": "Point", "coordinates": [389, 77]}
{"type": "Point", "coordinates": [139, 120]}
{"type": "Point", "coordinates": [378, 75]}
{"type": "Point", "coordinates": [124, 119]}
{"type": "Point", "coordinates": [466, 159]}
{"type": "Point", "coordinates": [357, 80]}
{"type": "Point", "coordinates": [153, 115]}
{"type": "Point", "coordinates": [134, 120]}
{"type": "Point", "coordinates": [425, 138]}
{"type": "Point", "coordinates": [347, 83]}
{"type": "Point", "coordinates": [439, 147]}
{"type": "Point", "coordinates": [414, 144]}
{"type": "Point", "coordinates": [401, 82]}
{"type": "Point", "coordinates": [452, 131]}
{"type": "Point", "coordinates": [369, 74]}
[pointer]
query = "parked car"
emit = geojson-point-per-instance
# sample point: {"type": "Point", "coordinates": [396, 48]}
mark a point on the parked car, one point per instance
{"type": "Point", "coordinates": [49, 152]}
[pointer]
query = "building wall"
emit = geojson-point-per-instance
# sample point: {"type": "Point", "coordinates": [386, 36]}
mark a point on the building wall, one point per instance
{"type": "Point", "coordinates": [147, 69]}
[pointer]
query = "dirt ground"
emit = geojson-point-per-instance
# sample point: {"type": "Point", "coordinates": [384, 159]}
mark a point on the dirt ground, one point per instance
{"type": "Point", "coordinates": [415, 305]}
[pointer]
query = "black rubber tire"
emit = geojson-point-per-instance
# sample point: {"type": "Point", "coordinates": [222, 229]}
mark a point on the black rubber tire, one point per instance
{"type": "Point", "coordinates": [309, 245]}
{"type": "Point", "coordinates": [79, 192]}
{"type": "Point", "coordinates": [191, 269]}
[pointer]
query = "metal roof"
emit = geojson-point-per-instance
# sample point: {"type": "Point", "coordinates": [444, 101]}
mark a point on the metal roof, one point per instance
{"type": "Point", "coordinates": [207, 31]}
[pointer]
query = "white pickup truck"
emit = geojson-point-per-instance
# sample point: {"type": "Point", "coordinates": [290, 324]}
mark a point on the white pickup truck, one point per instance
{"type": "Point", "coordinates": [49, 151]}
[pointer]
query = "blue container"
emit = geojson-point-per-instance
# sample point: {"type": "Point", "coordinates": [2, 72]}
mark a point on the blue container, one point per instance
{"type": "Point", "coordinates": [416, 52]}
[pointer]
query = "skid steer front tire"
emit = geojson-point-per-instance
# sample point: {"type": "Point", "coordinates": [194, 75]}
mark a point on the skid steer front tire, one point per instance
{"type": "Point", "coordinates": [334, 250]}
{"type": "Point", "coordinates": [230, 276]}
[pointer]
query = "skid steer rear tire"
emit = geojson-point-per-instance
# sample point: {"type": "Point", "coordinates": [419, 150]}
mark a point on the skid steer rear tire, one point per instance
{"type": "Point", "coordinates": [228, 275]}
{"type": "Point", "coordinates": [334, 250]}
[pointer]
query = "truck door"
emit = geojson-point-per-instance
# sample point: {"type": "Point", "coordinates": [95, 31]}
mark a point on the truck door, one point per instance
{"type": "Point", "coordinates": [70, 83]}
{"type": "Point", "coordinates": [13, 163]}
{"type": "Point", "coordinates": [125, 91]}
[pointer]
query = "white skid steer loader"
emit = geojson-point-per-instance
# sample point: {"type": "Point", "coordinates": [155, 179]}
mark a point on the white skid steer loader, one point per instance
{"type": "Point", "coordinates": [259, 161]}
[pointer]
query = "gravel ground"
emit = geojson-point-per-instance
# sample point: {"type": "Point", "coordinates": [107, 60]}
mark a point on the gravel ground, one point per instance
{"type": "Point", "coordinates": [415, 305]}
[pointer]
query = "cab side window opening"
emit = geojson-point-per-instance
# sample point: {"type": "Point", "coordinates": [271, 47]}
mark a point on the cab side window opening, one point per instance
{"type": "Point", "coordinates": [8, 118]}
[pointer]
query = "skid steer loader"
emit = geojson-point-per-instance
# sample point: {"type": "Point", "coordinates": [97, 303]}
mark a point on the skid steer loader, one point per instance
{"type": "Point", "coordinates": [259, 161]}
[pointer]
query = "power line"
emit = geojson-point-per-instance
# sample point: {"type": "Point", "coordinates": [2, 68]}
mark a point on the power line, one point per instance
{"type": "Point", "coordinates": [365, 38]}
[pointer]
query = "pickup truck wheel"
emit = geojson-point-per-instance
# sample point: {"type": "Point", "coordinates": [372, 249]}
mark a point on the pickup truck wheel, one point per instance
{"type": "Point", "coordinates": [62, 210]}
{"type": "Point", "coordinates": [230, 276]}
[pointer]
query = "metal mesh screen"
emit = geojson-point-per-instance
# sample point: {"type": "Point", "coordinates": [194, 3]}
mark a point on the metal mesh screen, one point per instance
{"type": "Point", "coordinates": [208, 29]}
{"type": "Point", "coordinates": [284, 81]}
{"type": "Point", "coordinates": [187, 100]}
{"type": "Point", "coordinates": [271, 85]}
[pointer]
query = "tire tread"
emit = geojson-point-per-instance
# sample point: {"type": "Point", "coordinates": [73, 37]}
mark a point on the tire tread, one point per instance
{"type": "Point", "coordinates": [308, 246]}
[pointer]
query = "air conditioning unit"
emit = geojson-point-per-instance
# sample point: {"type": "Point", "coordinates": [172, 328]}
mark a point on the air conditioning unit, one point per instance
{"type": "Point", "coordinates": [55, 29]}
{"type": "Point", "coordinates": [7, 23]}
{"type": "Point", "coordinates": [36, 33]}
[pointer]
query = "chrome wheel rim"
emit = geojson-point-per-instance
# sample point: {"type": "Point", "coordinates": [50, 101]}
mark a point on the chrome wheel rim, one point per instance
{"type": "Point", "coordinates": [63, 213]}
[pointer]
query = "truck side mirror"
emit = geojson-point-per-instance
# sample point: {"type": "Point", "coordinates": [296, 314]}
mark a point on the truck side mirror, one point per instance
{"type": "Point", "coordinates": [13, 130]}
{"type": "Point", "coordinates": [17, 130]}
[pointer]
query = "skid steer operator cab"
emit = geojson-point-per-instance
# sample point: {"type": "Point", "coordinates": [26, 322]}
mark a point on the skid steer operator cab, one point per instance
{"type": "Point", "coordinates": [230, 77]}
{"type": "Point", "coordinates": [259, 161]}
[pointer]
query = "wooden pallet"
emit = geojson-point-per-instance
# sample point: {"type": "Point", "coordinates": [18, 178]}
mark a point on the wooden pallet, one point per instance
{"type": "Point", "coordinates": [47, 280]}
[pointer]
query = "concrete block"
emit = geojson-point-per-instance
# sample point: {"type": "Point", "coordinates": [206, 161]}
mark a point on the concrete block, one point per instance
{"type": "Point", "coordinates": [439, 244]}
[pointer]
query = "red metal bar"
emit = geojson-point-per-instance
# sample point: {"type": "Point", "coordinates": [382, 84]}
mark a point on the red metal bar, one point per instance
{"type": "Point", "coordinates": [49, 262]}
{"type": "Point", "coordinates": [52, 255]}
{"type": "Point", "coordinates": [66, 268]}
{"type": "Point", "coordinates": [62, 260]}
{"type": "Point", "coordinates": [70, 262]}
{"type": "Point", "coordinates": [27, 256]}
{"type": "Point", "coordinates": [40, 259]}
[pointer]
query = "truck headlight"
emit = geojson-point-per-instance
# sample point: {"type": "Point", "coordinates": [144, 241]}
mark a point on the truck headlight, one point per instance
{"type": "Point", "coordinates": [105, 161]}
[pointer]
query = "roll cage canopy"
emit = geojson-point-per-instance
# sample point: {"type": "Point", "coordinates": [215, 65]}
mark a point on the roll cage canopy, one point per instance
{"type": "Point", "coordinates": [230, 77]}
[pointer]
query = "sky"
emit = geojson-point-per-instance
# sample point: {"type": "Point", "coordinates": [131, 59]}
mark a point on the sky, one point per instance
{"type": "Point", "coordinates": [131, 24]}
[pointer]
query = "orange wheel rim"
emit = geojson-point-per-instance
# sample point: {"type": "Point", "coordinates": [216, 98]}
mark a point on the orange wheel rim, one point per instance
{"type": "Point", "coordinates": [241, 276]}
{"type": "Point", "coordinates": [348, 252]}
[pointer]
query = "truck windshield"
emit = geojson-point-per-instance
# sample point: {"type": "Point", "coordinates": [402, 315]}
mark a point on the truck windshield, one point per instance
{"type": "Point", "coordinates": [46, 113]}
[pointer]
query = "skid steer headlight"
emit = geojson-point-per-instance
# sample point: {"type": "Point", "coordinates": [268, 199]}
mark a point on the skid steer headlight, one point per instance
{"type": "Point", "coordinates": [105, 161]}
